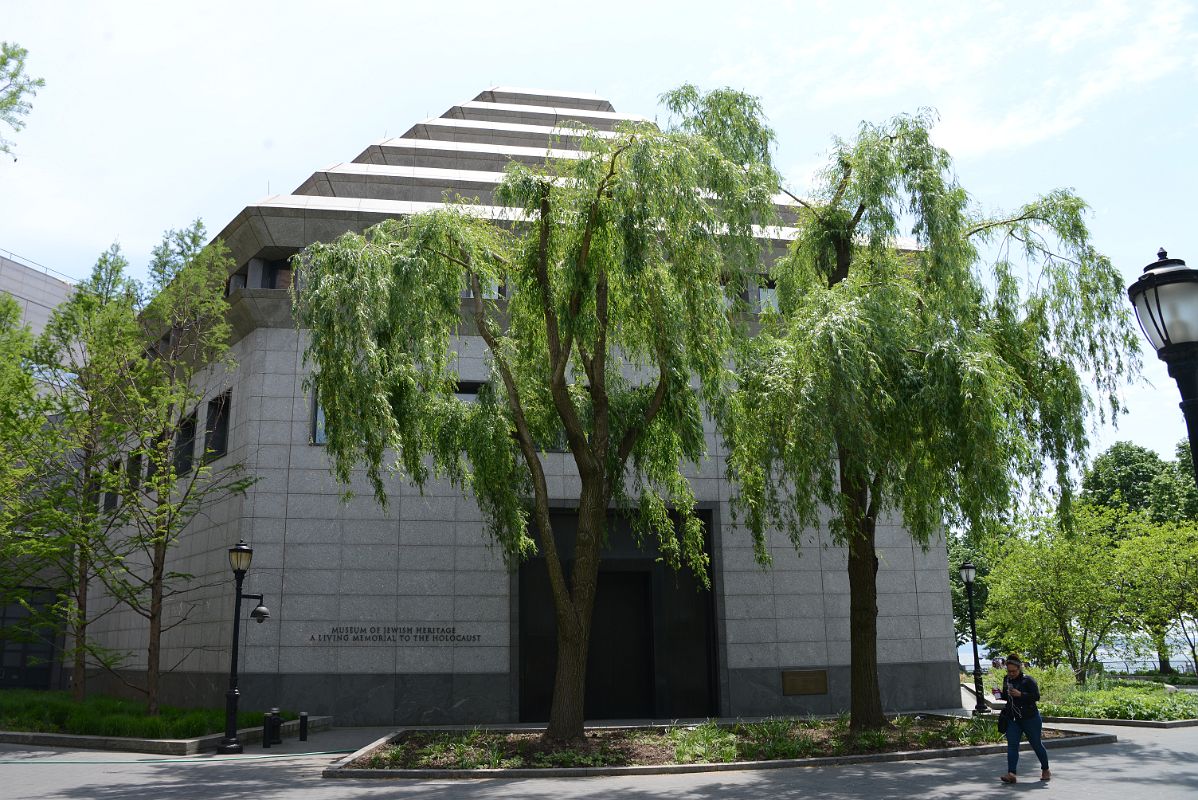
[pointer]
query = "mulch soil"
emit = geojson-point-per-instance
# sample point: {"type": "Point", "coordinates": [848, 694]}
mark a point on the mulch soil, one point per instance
{"type": "Point", "coordinates": [628, 747]}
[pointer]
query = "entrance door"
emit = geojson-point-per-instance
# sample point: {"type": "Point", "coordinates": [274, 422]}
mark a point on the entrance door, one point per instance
{"type": "Point", "coordinates": [652, 652]}
{"type": "Point", "coordinates": [620, 660]}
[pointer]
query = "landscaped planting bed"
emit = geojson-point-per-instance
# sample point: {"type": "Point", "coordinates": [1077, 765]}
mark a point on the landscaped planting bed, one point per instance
{"type": "Point", "coordinates": [55, 712]}
{"type": "Point", "coordinates": [707, 743]}
{"type": "Point", "coordinates": [1124, 700]}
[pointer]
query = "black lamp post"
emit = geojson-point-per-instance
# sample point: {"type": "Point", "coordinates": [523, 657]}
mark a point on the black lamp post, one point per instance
{"type": "Point", "coordinates": [240, 556]}
{"type": "Point", "coordinates": [1166, 302]}
{"type": "Point", "coordinates": [968, 573]}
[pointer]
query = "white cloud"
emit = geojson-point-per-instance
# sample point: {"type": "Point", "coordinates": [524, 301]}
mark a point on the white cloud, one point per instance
{"type": "Point", "coordinates": [1002, 75]}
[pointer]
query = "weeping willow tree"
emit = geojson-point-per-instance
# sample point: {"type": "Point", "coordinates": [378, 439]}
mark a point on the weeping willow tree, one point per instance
{"type": "Point", "coordinates": [612, 334]}
{"type": "Point", "coordinates": [936, 382]}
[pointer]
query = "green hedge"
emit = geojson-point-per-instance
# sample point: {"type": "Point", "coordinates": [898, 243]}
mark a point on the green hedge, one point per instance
{"type": "Point", "coordinates": [56, 712]}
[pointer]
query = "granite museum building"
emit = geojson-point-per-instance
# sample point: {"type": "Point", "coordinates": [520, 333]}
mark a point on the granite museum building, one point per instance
{"type": "Point", "coordinates": [407, 615]}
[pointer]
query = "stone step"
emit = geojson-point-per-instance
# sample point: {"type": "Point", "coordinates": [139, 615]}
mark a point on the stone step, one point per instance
{"type": "Point", "coordinates": [537, 115]}
{"type": "Point", "coordinates": [502, 133]}
{"type": "Point", "coordinates": [474, 156]}
{"type": "Point", "coordinates": [543, 97]}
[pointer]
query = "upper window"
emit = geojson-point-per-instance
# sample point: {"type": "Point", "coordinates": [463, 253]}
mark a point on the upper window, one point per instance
{"type": "Point", "coordinates": [216, 427]}
{"type": "Point", "coordinates": [319, 435]}
{"type": "Point", "coordinates": [492, 290]}
{"type": "Point", "coordinates": [111, 494]}
{"type": "Point", "coordinates": [468, 390]}
{"type": "Point", "coordinates": [133, 470]}
{"type": "Point", "coordinates": [767, 297]}
{"type": "Point", "coordinates": [185, 445]}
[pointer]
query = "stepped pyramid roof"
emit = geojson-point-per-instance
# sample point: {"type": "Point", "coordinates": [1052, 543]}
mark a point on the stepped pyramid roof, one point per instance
{"type": "Point", "coordinates": [463, 152]}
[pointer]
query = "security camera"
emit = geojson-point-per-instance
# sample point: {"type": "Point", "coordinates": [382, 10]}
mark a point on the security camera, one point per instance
{"type": "Point", "coordinates": [260, 614]}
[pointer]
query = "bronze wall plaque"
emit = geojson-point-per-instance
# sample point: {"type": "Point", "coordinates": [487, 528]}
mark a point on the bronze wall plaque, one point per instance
{"type": "Point", "coordinates": [804, 681]}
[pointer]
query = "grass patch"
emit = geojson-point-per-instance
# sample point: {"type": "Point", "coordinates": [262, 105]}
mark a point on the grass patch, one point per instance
{"type": "Point", "coordinates": [706, 743]}
{"type": "Point", "coordinates": [55, 712]}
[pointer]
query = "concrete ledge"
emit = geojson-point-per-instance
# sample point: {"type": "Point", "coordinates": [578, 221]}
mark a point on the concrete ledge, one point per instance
{"type": "Point", "coordinates": [340, 769]}
{"type": "Point", "coordinates": [168, 747]}
{"type": "Point", "coordinates": [1127, 723]}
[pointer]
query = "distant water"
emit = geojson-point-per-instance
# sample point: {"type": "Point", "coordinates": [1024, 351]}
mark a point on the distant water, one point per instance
{"type": "Point", "coordinates": [1181, 659]}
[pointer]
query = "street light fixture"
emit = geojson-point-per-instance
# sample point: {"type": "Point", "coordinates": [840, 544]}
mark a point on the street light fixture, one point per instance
{"type": "Point", "coordinates": [241, 555]}
{"type": "Point", "coordinates": [1166, 301]}
{"type": "Point", "coordinates": [968, 574]}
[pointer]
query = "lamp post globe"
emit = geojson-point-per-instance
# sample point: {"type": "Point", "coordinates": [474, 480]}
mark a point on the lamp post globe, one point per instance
{"type": "Point", "coordinates": [1165, 298]}
{"type": "Point", "coordinates": [241, 555]}
{"type": "Point", "coordinates": [969, 574]}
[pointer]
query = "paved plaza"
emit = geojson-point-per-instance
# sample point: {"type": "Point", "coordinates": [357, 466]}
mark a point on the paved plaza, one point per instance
{"type": "Point", "coordinates": [1145, 763]}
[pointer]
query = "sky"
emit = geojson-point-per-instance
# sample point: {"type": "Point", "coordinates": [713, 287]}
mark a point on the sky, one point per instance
{"type": "Point", "coordinates": [155, 114]}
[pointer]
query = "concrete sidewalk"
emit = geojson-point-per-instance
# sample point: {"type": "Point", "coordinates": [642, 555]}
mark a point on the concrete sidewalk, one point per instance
{"type": "Point", "coordinates": [1161, 764]}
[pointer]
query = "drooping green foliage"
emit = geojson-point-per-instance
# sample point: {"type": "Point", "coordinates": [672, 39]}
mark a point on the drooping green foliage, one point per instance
{"type": "Point", "coordinates": [614, 268]}
{"type": "Point", "coordinates": [951, 374]}
{"type": "Point", "coordinates": [611, 336]}
{"type": "Point", "coordinates": [16, 89]}
{"type": "Point", "coordinates": [931, 379]}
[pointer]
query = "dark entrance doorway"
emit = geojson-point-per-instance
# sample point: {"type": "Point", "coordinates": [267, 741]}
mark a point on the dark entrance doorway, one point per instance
{"type": "Point", "coordinates": [652, 648]}
{"type": "Point", "coordinates": [26, 651]}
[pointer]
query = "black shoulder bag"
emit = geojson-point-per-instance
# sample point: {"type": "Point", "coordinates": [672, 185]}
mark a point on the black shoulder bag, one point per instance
{"type": "Point", "coordinates": [1004, 718]}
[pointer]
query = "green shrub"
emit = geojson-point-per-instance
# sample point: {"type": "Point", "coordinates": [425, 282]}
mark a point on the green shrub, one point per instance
{"type": "Point", "coordinates": [707, 743]}
{"type": "Point", "coordinates": [872, 741]}
{"type": "Point", "coordinates": [56, 712]}
{"type": "Point", "coordinates": [1056, 683]}
{"type": "Point", "coordinates": [773, 739]}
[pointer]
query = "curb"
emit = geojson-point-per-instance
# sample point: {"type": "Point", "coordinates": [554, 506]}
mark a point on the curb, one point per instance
{"type": "Point", "coordinates": [339, 769]}
{"type": "Point", "coordinates": [166, 747]}
{"type": "Point", "coordinates": [1127, 723]}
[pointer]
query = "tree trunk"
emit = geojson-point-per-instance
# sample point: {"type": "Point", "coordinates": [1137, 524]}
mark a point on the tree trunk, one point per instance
{"type": "Point", "coordinates": [79, 630]}
{"type": "Point", "coordinates": [154, 647]}
{"type": "Point", "coordinates": [865, 698]}
{"type": "Point", "coordinates": [566, 716]}
{"type": "Point", "coordinates": [1160, 641]}
{"type": "Point", "coordinates": [567, 713]}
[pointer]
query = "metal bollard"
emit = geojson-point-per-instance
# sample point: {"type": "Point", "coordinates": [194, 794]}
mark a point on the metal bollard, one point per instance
{"type": "Point", "coordinates": [266, 737]}
{"type": "Point", "coordinates": [276, 727]}
{"type": "Point", "coordinates": [303, 726]}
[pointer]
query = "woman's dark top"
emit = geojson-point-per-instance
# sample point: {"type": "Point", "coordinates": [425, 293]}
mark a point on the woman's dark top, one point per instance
{"type": "Point", "coordinates": [1025, 704]}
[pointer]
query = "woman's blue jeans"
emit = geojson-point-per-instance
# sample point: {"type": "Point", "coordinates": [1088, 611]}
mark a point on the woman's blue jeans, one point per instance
{"type": "Point", "coordinates": [1031, 727]}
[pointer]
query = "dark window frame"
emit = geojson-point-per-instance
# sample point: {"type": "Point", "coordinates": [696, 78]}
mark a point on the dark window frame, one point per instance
{"type": "Point", "coordinates": [185, 444]}
{"type": "Point", "coordinates": [112, 497]}
{"type": "Point", "coordinates": [318, 434]}
{"type": "Point", "coordinates": [134, 468]}
{"type": "Point", "coordinates": [216, 427]}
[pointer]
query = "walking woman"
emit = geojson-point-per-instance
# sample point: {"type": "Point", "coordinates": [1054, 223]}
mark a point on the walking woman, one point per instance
{"type": "Point", "coordinates": [1021, 693]}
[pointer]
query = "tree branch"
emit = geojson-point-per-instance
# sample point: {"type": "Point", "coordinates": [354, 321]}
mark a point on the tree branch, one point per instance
{"type": "Point", "coordinates": [525, 442]}
{"type": "Point", "coordinates": [813, 209]}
